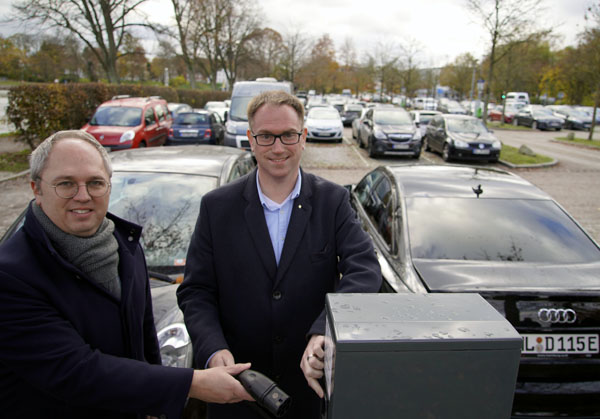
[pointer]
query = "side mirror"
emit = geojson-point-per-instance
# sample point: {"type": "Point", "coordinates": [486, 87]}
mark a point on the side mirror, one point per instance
{"type": "Point", "coordinates": [225, 114]}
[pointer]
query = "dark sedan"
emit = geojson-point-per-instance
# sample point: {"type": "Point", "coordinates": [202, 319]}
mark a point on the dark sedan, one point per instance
{"type": "Point", "coordinates": [461, 137]}
{"type": "Point", "coordinates": [389, 130]}
{"type": "Point", "coordinates": [160, 189]}
{"type": "Point", "coordinates": [440, 229]}
{"type": "Point", "coordinates": [538, 119]}
{"type": "Point", "coordinates": [574, 119]}
{"type": "Point", "coordinates": [200, 127]}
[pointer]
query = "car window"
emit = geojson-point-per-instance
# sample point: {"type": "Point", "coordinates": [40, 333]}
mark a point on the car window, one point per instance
{"type": "Point", "coordinates": [160, 113]}
{"type": "Point", "coordinates": [392, 117]}
{"type": "Point", "coordinates": [149, 116]}
{"type": "Point", "coordinates": [167, 214]}
{"type": "Point", "coordinates": [495, 229]}
{"type": "Point", "coordinates": [469, 126]}
{"type": "Point", "coordinates": [323, 113]}
{"type": "Point", "coordinates": [363, 189]}
{"type": "Point", "coordinates": [381, 213]}
{"type": "Point", "coordinates": [190, 119]}
{"type": "Point", "coordinates": [241, 167]}
{"type": "Point", "coordinates": [117, 116]}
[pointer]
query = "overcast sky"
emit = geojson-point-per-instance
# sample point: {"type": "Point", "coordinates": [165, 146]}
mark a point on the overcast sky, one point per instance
{"type": "Point", "coordinates": [443, 29]}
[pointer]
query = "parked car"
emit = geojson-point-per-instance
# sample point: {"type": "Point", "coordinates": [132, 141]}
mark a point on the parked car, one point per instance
{"type": "Point", "coordinates": [202, 127]}
{"type": "Point", "coordinates": [324, 123]}
{"type": "Point", "coordinates": [356, 123]}
{"type": "Point", "coordinates": [130, 122]}
{"type": "Point", "coordinates": [451, 106]}
{"type": "Point", "coordinates": [160, 189]}
{"type": "Point", "coordinates": [447, 228]}
{"type": "Point", "coordinates": [175, 108]}
{"type": "Point", "coordinates": [219, 107]}
{"type": "Point", "coordinates": [510, 110]}
{"type": "Point", "coordinates": [574, 119]}
{"type": "Point", "coordinates": [350, 112]}
{"type": "Point", "coordinates": [537, 118]}
{"type": "Point", "coordinates": [389, 130]}
{"type": "Point", "coordinates": [461, 137]}
{"type": "Point", "coordinates": [422, 118]}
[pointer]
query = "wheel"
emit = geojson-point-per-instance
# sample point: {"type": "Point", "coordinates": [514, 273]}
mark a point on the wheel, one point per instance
{"type": "Point", "coordinates": [446, 152]}
{"type": "Point", "coordinates": [372, 151]}
{"type": "Point", "coordinates": [360, 142]}
{"type": "Point", "coordinates": [142, 144]}
{"type": "Point", "coordinates": [417, 155]}
{"type": "Point", "coordinates": [353, 135]}
{"type": "Point", "coordinates": [534, 125]}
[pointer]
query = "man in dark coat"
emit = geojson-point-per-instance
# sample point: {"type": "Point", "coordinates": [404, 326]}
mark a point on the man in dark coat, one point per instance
{"type": "Point", "coordinates": [266, 250]}
{"type": "Point", "coordinates": [77, 336]}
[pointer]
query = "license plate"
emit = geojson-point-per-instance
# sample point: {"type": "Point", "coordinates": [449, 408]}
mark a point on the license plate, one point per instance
{"type": "Point", "coordinates": [480, 151]}
{"type": "Point", "coordinates": [188, 133]}
{"type": "Point", "coordinates": [324, 134]}
{"type": "Point", "coordinates": [560, 344]}
{"type": "Point", "coordinates": [400, 146]}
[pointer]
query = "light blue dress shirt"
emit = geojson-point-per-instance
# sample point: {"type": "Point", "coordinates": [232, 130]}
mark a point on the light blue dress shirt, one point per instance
{"type": "Point", "coordinates": [278, 216]}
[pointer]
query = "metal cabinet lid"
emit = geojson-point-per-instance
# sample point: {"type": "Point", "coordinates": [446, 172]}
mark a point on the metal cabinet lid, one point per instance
{"type": "Point", "coordinates": [406, 322]}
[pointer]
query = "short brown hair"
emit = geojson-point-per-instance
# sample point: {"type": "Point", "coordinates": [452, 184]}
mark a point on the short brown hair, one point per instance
{"type": "Point", "coordinates": [274, 97]}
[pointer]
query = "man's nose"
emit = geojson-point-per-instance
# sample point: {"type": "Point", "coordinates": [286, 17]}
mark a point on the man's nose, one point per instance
{"type": "Point", "coordinates": [82, 193]}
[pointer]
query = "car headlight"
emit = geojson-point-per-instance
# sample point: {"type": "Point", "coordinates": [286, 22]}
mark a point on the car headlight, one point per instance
{"type": "Point", "coordinates": [127, 136]}
{"type": "Point", "coordinates": [175, 346]}
{"type": "Point", "coordinates": [379, 134]}
{"type": "Point", "coordinates": [231, 129]}
{"type": "Point", "coordinates": [461, 144]}
{"type": "Point", "coordinates": [496, 145]}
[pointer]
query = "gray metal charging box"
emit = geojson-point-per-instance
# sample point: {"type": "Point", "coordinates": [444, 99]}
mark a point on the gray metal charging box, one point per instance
{"type": "Point", "coordinates": [418, 356]}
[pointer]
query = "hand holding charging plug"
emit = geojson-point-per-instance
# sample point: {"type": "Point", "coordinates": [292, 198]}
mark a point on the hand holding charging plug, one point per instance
{"type": "Point", "coordinates": [265, 392]}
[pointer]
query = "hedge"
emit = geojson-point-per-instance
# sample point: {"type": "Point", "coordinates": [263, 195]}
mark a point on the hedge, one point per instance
{"type": "Point", "coordinates": [39, 110]}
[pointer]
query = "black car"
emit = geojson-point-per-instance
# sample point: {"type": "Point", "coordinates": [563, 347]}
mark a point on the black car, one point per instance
{"type": "Point", "coordinates": [160, 189]}
{"type": "Point", "coordinates": [199, 127]}
{"type": "Point", "coordinates": [350, 112]}
{"type": "Point", "coordinates": [461, 137]}
{"type": "Point", "coordinates": [389, 130]}
{"type": "Point", "coordinates": [538, 119]}
{"type": "Point", "coordinates": [573, 118]}
{"type": "Point", "coordinates": [447, 228]}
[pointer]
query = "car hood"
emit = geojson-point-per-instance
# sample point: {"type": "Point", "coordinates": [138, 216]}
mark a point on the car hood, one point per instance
{"type": "Point", "coordinates": [476, 276]}
{"type": "Point", "coordinates": [164, 305]}
{"type": "Point", "coordinates": [109, 132]}
{"type": "Point", "coordinates": [397, 129]}
{"type": "Point", "coordinates": [470, 137]}
{"type": "Point", "coordinates": [322, 123]}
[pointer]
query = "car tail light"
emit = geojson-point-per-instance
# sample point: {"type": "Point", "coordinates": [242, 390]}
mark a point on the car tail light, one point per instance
{"type": "Point", "coordinates": [207, 133]}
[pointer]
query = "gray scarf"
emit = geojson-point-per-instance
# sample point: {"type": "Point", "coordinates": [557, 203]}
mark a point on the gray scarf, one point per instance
{"type": "Point", "coordinates": [97, 255]}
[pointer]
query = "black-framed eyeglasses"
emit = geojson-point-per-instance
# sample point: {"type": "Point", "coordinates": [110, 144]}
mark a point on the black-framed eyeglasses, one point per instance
{"type": "Point", "coordinates": [68, 189]}
{"type": "Point", "coordinates": [287, 138]}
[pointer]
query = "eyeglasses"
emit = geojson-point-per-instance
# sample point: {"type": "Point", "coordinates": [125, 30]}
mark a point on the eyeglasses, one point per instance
{"type": "Point", "coordinates": [67, 189]}
{"type": "Point", "coordinates": [287, 138]}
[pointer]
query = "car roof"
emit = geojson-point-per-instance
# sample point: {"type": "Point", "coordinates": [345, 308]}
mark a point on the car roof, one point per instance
{"type": "Point", "coordinates": [133, 101]}
{"type": "Point", "coordinates": [457, 116]}
{"type": "Point", "coordinates": [460, 181]}
{"type": "Point", "coordinates": [205, 160]}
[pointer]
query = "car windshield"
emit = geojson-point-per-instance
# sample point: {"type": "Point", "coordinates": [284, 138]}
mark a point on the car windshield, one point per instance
{"type": "Point", "coordinates": [239, 106]}
{"type": "Point", "coordinates": [166, 205]}
{"type": "Point", "coordinates": [191, 119]}
{"type": "Point", "coordinates": [117, 116]}
{"type": "Point", "coordinates": [324, 114]}
{"type": "Point", "coordinates": [539, 113]}
{"type": "Point", "coordinates": [384, 117]}
{"type": "Point", "coordinates": [470, 126]}
{"type": "Point", "coordinates": [495, 229]}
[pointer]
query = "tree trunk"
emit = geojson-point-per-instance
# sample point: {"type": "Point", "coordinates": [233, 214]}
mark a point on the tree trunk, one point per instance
{"type": "Point", "coordinates": [596, 104]}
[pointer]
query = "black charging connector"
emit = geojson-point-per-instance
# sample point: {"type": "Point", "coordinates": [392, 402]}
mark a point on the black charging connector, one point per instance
{"type": "Point", "coordinates": [266, 393]}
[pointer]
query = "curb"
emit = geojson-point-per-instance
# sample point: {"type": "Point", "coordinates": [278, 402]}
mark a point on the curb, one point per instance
{"type": "Point", "coordinates": [528, 166]}
{"type": "Point", "coordinates": [15, 176]}
{"type": "Point", "coordinates": [578, 145]}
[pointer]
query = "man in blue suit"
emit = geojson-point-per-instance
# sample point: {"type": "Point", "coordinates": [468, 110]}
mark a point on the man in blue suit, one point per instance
{"type": "Point", "coordinates": [266, 250]}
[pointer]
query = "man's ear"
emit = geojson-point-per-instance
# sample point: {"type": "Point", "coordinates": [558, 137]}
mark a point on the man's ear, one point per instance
{"type": "Point", "coordinates": [36, 191]}
{"type": "Point", "coordinates": [250, 138]}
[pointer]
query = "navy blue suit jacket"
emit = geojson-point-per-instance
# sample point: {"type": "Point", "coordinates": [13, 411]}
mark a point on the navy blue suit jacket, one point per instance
{"type": "Point", "coordinates": [234, 296]}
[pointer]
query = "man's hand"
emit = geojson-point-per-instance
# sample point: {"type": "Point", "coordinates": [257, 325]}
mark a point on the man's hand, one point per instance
{"type": "Point", "coordinates": [218, 385]}
{"type": "Point", "coordinates": [312, 363]}
{"type": "Point", "coordinates": [222, 358]}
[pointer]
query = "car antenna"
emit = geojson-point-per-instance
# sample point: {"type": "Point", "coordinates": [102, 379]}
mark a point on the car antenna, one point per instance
{"type": "Point", "coordinates": [478, 191]}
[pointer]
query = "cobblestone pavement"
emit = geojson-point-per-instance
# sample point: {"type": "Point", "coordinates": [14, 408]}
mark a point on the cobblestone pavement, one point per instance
{"type": "Point", "coordinates": [574, 182]}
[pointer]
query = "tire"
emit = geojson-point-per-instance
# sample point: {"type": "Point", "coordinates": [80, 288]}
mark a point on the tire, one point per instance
{"type": "Point", "coordinates": [353, 136]}
{"type": "Point", "coordinates": [371, 149]}
{"type": "Point", "coordinates": [446, 153]}
{"type": "Point", "coordinates": [142, 144]}
{"type": "Point", "coordinates": [360, 143]}
{"type": "Point", "coordinates": [534, 125]}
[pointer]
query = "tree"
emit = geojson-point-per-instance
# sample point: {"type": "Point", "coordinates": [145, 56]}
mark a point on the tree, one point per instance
{"type": "Point", "coordinates": [459, 75]}
{"type": "Point", "coordinates": [264, 52]}
{"type": "Point", "coordinates": [296, 47]}
{"type": "Point", "coordinates": [133, 63]}
{"type": "Point", "coordinates": [409, 64]}
{"type": "Point", "coordinates": [590, 46]}
{"type": "Point", "coordinates": [506, 22]}
{"type": "Point", "coordinates": [12, 59]}
{"type": "Point", "coordinates": [385, 58]}
{"type": "Point", "coordinates": [100, 24]}
{"type": "Point", "coordinates": [319, 71]}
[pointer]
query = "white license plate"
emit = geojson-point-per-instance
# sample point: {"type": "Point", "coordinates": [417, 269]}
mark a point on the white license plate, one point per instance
{"type": "Point", "coordinates": [188, 133]}
{"type": "Point", "coordinates": [560, 344]}
{"type": "Point", "coordinates": [400, 146]}
{"type": "Point", "coordinates": [480, 151]}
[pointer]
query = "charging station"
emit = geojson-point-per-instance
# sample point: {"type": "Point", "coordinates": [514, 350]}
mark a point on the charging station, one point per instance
{"type": "Point", "coordinates": [418, 356]}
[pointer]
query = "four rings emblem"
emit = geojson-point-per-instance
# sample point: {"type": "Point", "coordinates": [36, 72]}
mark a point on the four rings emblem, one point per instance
{"type": "Point", "coordinates": [557, 315]}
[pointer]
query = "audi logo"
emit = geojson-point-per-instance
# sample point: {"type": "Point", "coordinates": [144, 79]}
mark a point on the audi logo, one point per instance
{"type": "Point", "coordinates": [557, 315]}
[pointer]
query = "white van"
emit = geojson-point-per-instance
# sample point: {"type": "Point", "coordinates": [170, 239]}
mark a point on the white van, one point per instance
{"type": "Point", "coordinates": [522, 97]}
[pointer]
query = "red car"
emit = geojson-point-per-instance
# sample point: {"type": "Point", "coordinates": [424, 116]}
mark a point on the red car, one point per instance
{"type": "Point", "coordinates": [130, 122]}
